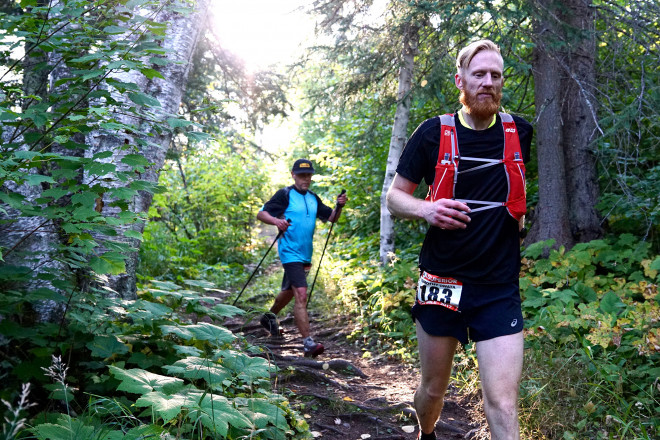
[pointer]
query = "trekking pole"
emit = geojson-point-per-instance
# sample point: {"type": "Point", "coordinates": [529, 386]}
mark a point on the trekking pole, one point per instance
{"type": "Point", "coordinates": [279, 234]}
{"type": "Point", "coordinates": [309, 297]}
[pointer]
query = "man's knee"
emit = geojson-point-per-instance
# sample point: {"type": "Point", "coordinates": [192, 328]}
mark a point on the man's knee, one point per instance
{"type": "Point", "coordinates": [505, 404]}
{"type": "Point", "coordinates": [300, 294]}
{"type": "Point", "coordinates": [433, 389]}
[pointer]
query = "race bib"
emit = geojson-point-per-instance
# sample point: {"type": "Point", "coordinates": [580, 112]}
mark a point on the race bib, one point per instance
{"type": "Point", "coordinates": [439, 291]}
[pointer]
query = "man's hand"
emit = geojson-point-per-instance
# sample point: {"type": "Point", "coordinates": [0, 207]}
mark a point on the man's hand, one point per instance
{"type": "Point", "coordinates": [342, 199]}
{"type": "Point", "coordinates": [445, 214]}
{"type": "Point", "coordinates": [281, 224]}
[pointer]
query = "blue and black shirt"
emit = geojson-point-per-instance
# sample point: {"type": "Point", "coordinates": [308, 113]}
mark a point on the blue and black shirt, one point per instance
{"type": "Point", "coordinates": [295, 245]}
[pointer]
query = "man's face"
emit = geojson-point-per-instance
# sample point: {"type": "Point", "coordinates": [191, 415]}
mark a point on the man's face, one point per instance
{"type": "Point", "coordinates": [481, 84]}
{"type": "Point", "coordinates": [302, 180]}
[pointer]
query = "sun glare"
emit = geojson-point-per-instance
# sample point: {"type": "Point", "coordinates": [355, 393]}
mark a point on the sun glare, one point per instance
{"type": "Point", "coordinates": [262, 32]}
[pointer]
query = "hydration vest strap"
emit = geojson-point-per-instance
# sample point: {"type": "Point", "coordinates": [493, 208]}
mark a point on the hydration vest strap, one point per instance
{"type": "Point", "coordinates": [487, 205]}
{"type": "Point", "coordinates": [481, 159]}
{"type": "Point", "coordinates": [489, 163]}
{"type": "Point", "coordinates": [446, 169]}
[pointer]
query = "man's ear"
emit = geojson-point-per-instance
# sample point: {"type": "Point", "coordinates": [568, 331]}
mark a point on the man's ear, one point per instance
{"type": "Point", "coordinates": [458, 81]}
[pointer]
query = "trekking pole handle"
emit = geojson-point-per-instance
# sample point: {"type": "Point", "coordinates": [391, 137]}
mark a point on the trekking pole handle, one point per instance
{"type": "Point", "coordinates": [343, 191]}
{"type": "Point", "coordinates": [279, 232]}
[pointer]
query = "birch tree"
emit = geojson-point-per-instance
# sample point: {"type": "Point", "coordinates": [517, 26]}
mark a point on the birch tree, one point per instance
{"type": "Point", "coordinates": [80, 159]}
{"type": "Point", "coordinates": [399, 136]}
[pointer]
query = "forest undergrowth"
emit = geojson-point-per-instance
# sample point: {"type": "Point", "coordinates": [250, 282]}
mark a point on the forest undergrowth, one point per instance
{"type": "Point", "coordinates": [167, 364]}
{"type": "Point", "coordinates": [592, 333]}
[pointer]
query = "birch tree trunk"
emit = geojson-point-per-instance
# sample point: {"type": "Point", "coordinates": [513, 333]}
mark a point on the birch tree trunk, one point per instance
{"type": "Point", "coordinates": [398, 139]}
{"type": "Point", "coordinates": [38, 249]}
{"type": "Point", "coordinates": [27, 242]}
{"type": "Point", "coordinates": [183, 33]}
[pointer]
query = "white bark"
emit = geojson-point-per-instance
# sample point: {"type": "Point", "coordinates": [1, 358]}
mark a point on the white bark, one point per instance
{"type": "Point", "coordinates": [182, 36]}
{"type": "Point", "coordinates": [31, 241]}
{"type": "Point", "coordinates": [398, 139]}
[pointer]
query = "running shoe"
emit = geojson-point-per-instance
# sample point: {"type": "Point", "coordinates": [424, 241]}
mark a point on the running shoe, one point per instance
{"type": "Point", "coordinates": [313, 349]}
{"type": "Point", "coordinates": [269, 322]}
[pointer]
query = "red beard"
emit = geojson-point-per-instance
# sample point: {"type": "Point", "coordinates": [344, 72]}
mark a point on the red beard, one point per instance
{"type": "Point", "coordinates": [481, 109]}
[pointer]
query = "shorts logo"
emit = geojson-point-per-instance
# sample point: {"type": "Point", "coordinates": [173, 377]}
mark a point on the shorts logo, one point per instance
{"type": "Point", "coordinates": [510, 130]}
{"type": "Point", "coordinates": [514, 322]}
{"type": "Point", "coordinates": [447, 133]}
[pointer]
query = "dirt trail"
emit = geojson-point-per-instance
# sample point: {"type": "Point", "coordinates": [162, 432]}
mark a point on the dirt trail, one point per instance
{"type": "Point", "coordinates": [344, 396]}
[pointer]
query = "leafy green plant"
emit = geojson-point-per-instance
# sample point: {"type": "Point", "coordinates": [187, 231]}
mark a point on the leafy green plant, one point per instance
{"type": "Point", "coordinates": [161, 363]}
{"type": "Point", "coordinates": [380, 298]}
{"type": "Point", "coordinates": [203, 226]}
{"type": "Point", "coordinates": [595, 311]}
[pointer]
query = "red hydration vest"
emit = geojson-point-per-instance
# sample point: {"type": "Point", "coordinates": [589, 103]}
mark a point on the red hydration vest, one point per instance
{"type": "Point", "coordinates": [446, 170]}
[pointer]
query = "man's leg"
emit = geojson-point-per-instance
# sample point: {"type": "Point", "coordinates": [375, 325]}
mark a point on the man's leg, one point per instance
{"type": "Point", "coordinates": [281, 300]}
{"type": "Point", "coordinates": [436, 355]}
{"type": "Point", "coordinates": [300, 310]}
{"type": "Point", "coordinates": [500, 367]}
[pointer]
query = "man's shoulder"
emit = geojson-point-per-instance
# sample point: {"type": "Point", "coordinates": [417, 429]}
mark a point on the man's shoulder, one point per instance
{"type": "Point", "coordinates": [429, 124]}
{"type": "Point", "coordinates": [280, 196]}
{"type": "Point", "coordinates": [283, 191]}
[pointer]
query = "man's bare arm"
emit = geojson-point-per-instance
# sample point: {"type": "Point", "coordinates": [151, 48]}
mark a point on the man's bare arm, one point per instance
{"type": "Point", "coordinates": [443, 213]}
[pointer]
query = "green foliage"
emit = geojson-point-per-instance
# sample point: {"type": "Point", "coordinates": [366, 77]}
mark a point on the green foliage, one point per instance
{"type": "Point", "coordinates": [628, 81]}
{"type": "Point", "coordinates": [49, 169]}
{"type": "Point", "coordinates": [379, 298]}
{"type": "Point", "coordinates": [160, 364]}
{"type": "Point", "coordinates": [202, 227]}
{"type": "Point", "coordinates": [350, 156]}
{"type": "Point", "coordinates": [594, 311]}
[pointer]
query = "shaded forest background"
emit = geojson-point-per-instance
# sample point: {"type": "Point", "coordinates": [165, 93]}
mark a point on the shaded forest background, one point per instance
{"type": "Point", "coordinates": [131, 174]}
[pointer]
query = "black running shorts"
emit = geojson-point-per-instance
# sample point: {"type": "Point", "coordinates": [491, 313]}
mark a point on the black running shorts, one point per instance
{"type": "Point", "coordinates": [485, 312]}
{"type": "Point", "coordinates": [295, 274]}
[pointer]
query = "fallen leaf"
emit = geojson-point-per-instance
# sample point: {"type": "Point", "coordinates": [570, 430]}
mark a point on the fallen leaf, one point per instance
{"type": "Point", "coordinates": [589, 407]}
{"type": "Point", "coordinates": [348, 399]}
{"type": "Point", "coordinates": [337, 421]}
{"type": "Point", "coordinates": [316, 434]}
{"type": "Point", "coordinates": [307, 416]}
{"type": "Point", "coordinates": [408, 428]}
{"type": "Point", "coordinates": [326, 366]}
{"type": "Point", "coordinates": [365, 436]}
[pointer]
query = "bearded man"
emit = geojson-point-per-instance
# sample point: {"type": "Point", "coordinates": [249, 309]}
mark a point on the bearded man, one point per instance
{"type": "Point", "coordinates": [473, 162]}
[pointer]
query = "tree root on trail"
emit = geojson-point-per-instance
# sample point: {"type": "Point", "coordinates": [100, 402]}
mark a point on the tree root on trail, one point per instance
{"type": "Point", "coordinates": [240, 327]}
{"type": "Point", "coordinates": [335, 332]}
{"type": "Point", "coordinates": [329, 428]}
{"type": "Point", "coordinates": [280, 344]}
{"type": "Point", "coordinates": [370, 417]}
{"type": "Point", "coordinates": [409, 411]}
{"type": "Point", "coordinates": [339, 365]}
{"type": "Point", "coordinates": [305, 371]}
